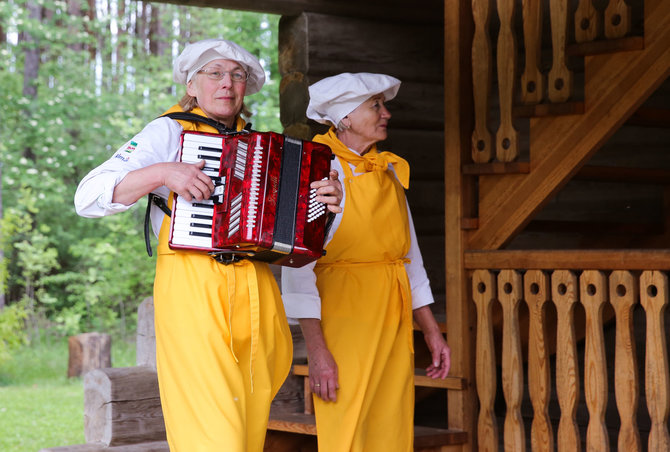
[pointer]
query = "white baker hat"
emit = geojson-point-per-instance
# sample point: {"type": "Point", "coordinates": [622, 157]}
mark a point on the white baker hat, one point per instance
{"type": "Point", "coordinates": [196, 55]}
{"type": "Point", "coordinates": [333, 98]}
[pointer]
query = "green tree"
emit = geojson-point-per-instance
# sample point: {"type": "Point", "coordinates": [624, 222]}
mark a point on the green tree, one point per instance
{"type": "Point", "coordinates": [102, 75]}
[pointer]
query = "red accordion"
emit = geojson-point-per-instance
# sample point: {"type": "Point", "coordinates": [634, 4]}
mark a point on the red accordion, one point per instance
{"type": "Point", "coordinates": [262, 206]}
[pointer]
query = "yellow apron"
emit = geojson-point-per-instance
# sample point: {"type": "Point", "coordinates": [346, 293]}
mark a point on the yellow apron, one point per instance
{"type": "Point", "coordinates": [223, 346]}
{"type": "Point", "coordinates": [366, 314]}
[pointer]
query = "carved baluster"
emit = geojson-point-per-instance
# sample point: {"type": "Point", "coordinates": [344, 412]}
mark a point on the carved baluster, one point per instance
{"type": "Point", "coordinates": [586, 21]}
{"type": "Point", "coordinates": [484, 292]}
{"type": "Point", "coordinates": [623, 296]}
{"type": "Point", "coordinates": [593, 286]}
{"type": "Point", "coordinates": [617, 19]}
{"type": "Point", "coordinates": [537, 292]}
{"type": "Point", "coordinates": [507, 148]}
{"type": "Point", "coordinates": [564, 295]}
{"type": "Point", "coordinates": [510, 292]}
{"type": "Point", "coordinates": [481, 82]}
{"type": "Point", "coordinates": [532, 81]}
{"type": "Point", "coordinates": [559, 87]}
{"type": "Point", "coordinates": [654, 298]}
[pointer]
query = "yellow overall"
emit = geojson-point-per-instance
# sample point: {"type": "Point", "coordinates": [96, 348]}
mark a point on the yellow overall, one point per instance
{"type": "Point", "coordinates": [366, 312]}
{"type": "Point", "coordinates": [223, 346]}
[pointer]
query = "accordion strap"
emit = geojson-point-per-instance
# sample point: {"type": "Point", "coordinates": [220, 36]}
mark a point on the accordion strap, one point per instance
{"type": "Point", "coordinates": [161, 204]}
{"type": "Point", "coordinates": [220, 127]}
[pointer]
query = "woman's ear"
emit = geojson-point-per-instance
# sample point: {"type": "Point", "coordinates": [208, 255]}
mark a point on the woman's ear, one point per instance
{"type": "Point", "coordinates": [190, 89]}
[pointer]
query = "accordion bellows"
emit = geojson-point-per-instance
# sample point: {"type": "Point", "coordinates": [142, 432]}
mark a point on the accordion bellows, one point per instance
{"type": "Point", "coordinates": [263, 207]}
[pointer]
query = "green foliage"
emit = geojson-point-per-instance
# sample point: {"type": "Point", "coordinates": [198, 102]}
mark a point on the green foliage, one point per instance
{"type": "Point", "coordinates": [12, 334]}
{"type": "Point", "coordinates": [39, 406]}
{"type": "Point", "coordinates": [97, 85]}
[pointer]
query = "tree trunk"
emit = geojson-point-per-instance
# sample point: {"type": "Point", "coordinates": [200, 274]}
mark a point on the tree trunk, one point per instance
{"type": "Point", "coordinates": [32, 54]}
{"type": "Point", "coordinates": [157, 34]}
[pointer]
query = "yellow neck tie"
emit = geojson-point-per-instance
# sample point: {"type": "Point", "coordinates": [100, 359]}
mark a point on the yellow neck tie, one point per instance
{"type": "Point", "coordinates": [371, 160]}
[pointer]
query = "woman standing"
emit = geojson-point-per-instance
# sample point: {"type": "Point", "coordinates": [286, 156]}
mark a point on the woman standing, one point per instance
{"type": "Point", "coordinates": [222, 342]}
{"type": "Point", "coordinates": [355, 304]}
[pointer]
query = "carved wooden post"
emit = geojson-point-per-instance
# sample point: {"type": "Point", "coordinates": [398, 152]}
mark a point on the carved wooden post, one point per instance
{"type": "Point", "coordinates": [593, 291]}
{"type": "Point", "coordinates": [481, 82]}
{"type": "Point", "coordinates": [624, 296]}
{"type": "Point", "coordinates": [654, 298]}
{"type": "Point", "coordinates": [560, 78]}
{"type": "Point", "coordinates": [484, 292]}
{"type": "Point", "coordinates": [586, 21]}
{"type": "Point", "coordinates": [507, 148]}
{"type": "Point", "coordinates": [564, 295]}
{"type": "Point", "coordinates": [537, 292]}
{"type": "Point", "coordinates": [617, 19]}
{"type": "Point", "coordinates": [510, 290]}
{"type": "Point", "coordinates": [532, 80]}
{"type": "Point", "coordinates": [88, 351]}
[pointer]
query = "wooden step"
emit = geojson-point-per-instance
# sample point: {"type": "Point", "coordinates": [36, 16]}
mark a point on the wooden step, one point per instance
{"type": "Point", "coordinates": [420, 379]}
{"type": "Point", "coordinates": [424, 437]}
{"type": "Point", "coordinates": [153, 446]}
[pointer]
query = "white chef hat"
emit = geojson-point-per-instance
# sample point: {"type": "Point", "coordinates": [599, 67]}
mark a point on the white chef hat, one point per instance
{"type": "Point", "coordinates": [333, 98]}
{"type": "Point", "coordinates": [195, 56]}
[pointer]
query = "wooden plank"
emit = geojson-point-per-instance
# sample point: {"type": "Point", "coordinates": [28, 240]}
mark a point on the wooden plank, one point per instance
{"type": "Point", "coordinates": [507, 145]}
{"type": "Point", "coordinates": [483, 294]}
{"type": "Point", "coordinates": [122, 406]}
{"type": "Point", "coordinates": [497, 168]}
{"type": "Point", "coordinates": [624, 294]}
{"type": "Point", "coordinates": [570, 259]}
{"type": "Point", "coordinates": [423, 11]}
{"type": "Point", "coordinates": [559, 82]}
{"type": "Point", "coordinates": [459, 203]}
{"type": "Point", "coordinates": [587, 23]}
{"type": "Point", "coordinates": [564, 293]}
{"type": "Point", "coordinates": [539, 110]}
{"type": "Point", "coordinates": [153, 446]}
{"type": "Point", "coordinates": [482, 149]}
{"type": "Point", "coordinates": [654, 293]}
{"type": "Point", "coordinates": [617, 19]}
{"type": "Point", "coordinates": [334, 40]}
{"type": "Point", "coordinates": [593, 295]}
{"type": "Point", "coordinates": [537, 293]}
{"type": "Point", "coordinates": [420, 378]}
{"type": "Point", "coordinates": [532, 80]}
{"type": "Point", "coordinates": [305, 424]}
{"type": "Point", "coordinates": [606, 46]}
{"type": "Point", "coordinates": [559, 146]}
{"type": "Point", "coordinates": [650, 117]}
{"type": "Point", "coordinates": [510, 293]}
{"type": "Point", "coordinates": [654, 176]}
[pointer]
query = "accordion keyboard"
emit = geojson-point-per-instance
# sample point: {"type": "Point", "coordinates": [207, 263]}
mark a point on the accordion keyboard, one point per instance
{"type": "Point", "coordinates": [192, 224]}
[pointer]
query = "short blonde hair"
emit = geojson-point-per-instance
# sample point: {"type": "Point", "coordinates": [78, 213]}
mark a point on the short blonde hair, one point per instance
{"type": "Point", "coordinates": [188, 103]}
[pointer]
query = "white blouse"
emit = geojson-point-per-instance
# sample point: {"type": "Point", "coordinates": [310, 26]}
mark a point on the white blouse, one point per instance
{"type": "Point", "coordinates": [301, 296]}
{"type": "Point", "coordinates": [158, 142]}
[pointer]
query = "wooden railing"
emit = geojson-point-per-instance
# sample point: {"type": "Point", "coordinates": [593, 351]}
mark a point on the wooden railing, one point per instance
{"type": "Point", "coordinates": [606, 285]}
{"type": "Point", "coordinates": [536, 86]}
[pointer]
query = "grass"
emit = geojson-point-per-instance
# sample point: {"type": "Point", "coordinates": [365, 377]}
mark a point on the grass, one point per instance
{"type": "Point", "coordinates": [39, 406]}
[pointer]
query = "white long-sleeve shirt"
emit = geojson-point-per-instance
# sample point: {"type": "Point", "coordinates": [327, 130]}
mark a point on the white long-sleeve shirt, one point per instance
{"type": "Point", "coordinates": [158, 142]}
{"type": "Point", "coordinates": [301, 296]}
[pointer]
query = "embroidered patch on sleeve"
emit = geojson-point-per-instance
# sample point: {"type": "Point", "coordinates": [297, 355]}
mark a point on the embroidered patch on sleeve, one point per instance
{"type": "Point", "coordinates": [131, 147]}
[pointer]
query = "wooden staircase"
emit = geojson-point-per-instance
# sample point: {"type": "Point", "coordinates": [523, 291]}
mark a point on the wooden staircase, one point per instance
{"type": "Point", "coordinates": [619, 75]}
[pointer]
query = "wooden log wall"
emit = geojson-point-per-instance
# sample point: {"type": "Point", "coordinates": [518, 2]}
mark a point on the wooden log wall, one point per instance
{"type": "Point", "coordinates": [314, 46]}
{"type": "Point", "coordinates": [587, 378]}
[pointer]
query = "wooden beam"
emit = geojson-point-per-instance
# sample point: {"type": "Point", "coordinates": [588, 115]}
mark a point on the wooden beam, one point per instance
{"type": "Point", "coordinates": [569, 259]}
{"type": "Point", "coordinates": [616, 86]}
{"type": "Point", "coordinates": [606, 46]}
{"type": "Point", "coordinates": [422, 11]}
{"type": "Point", "coordinates": [647, 176]}
{"type": "Point", "coordinates": [650, 117]}
{"type": "Point", "coordinates": [459, 203]}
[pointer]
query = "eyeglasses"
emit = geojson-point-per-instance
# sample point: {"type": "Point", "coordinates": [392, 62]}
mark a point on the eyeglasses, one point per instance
{"type": "Point", "coordinates": [237, 76]}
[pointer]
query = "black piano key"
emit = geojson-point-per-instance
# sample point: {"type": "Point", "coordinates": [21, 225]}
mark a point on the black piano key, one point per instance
{"type": "Point", "coordinates": [199, 234]}
{"type": "Point", "coordinates": [200, 225]}
{"type": "Point", "coordinates": [198, 216]}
